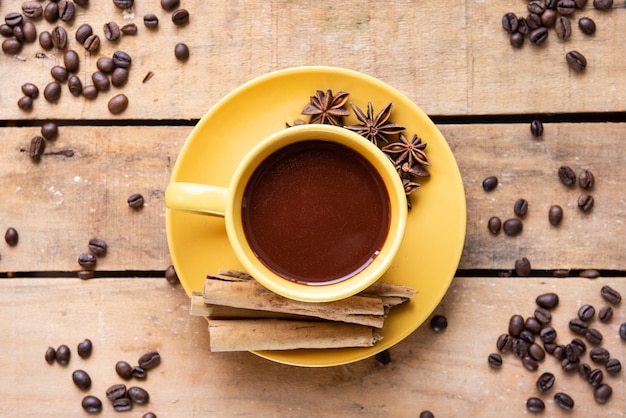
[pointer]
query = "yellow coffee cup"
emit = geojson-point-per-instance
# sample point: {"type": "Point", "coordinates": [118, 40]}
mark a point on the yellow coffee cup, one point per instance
{"type": "Point", "coordinates": [314, 213]}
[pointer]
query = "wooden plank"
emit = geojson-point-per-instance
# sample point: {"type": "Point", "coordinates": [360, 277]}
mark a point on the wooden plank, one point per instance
{"type": "Point", "coordinates": [62, 202]}
{"type": "Point", "coordinates": [451, 58]}
{"type": "Point", "coordinates": [444, 372]}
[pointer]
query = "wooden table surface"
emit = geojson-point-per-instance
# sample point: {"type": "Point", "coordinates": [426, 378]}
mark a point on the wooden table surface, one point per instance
{"type": "Point", "coordinates": [453, 59]}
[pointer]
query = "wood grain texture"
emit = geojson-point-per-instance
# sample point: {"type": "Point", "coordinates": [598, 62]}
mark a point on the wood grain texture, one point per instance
{"type": "Point", "coordinates": [444, 372]}
{"type": "Point", "coordinates": [451, 58]}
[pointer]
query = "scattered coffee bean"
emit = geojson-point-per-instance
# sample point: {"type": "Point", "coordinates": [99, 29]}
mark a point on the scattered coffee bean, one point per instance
{"type": "Point", "coordinates": [170, 5]}
{"type": "Point", "coordinates": [52, 91]}
{"type": "Point", "coordinates": [563, 27]}
{"type": "Point", "coordinates": [560, 273]}
{"type": "Point", "coordinates": [622, 331]}
{"type": "Point", "coordinates": [510, 22]}
{"type": "Point", "coordinates": [569, 364]}
{"type": "Point", "coordinates": [105, 64]}
{"type": "Point", "coordinates": [11, 46]}
{"type": "Point", "coordinates": [533, 325]}
{"type": "Point", "coordinates": [595, 377]}
{"type": "Point", "coordinates": [522, 267]}
{"type": "Point", "coordinates": [63, 355]}
{"type": "Point", "coordinates": [92, 43]}
{"type": "Point", "coordinates": [122, 59]}
{"type": "Point", "coordinates": [71, 61]}
{"type": "Point", "coordinates": [527, 336]}
{"type": "Point", "coordinates": [87, 260]}
{"type": "Point", "coordinates": [585, 202]}
{"type": "Point", "coordinates": [138, 372]}
{"type": "Point", "coordinates": [586, 312]}
{"type": "Point", "coordinates": [51, 12]}
{"type": "Point", "coordinates": [519, 348]}
{"type": "Point", "coordinates": [548, 334]}
{"type": "Point", "coordinates": [116, 391]}
{"type": "Point", "coordinates": [118, 104]}
{"type": "Point", "coordinates": [567, 176]}
{"type": "Point", "coordinates": [512, 227]}
{"type": "Point", "coordinates": [14, 19]}
{"type": "Point", "coordinates": [589, 274]}
{"type": "Point", "coordinates": [129, 29]}
{"type": "Point", "coordinates": [504, 343]}
{"type": "Point", "coordinates": [136, 201]}
{"type": "Point", "coordinates": [45, 40]}
{"type": "Point", "coordinates": [516, 325]}
{"type": "Point", "coordinates": [536, 352]}
{"type": "Point", "coordinates": [138, 395]}
{"type": "Point", "coordinates": [25, 103]}
{"type": "Point", "coordinates": [75, 85]}
{"type": "Point", "coordinates": [59, 37]}
{"type": "Point", "coordinates": [180, 17]}
{"type": "Point", "coordinates": [37, 147]}
{"type": "Point", "coordinates": [586, 179]}
{"type": "Point", "coordinates": [610, 295]}
{"type": "Point", "coordinates": [111, 31]}
{"type": "Point", "coordinates": [564, 400]}
{"type": "Point", "coordinates": [548, 18]}
{"type": "Point", "coordinates": [83, 32]}
{"type": "Point", "coordinates": [30, 32]}
{"type": "Point", "coordinates": [123, 370]}
{"type": "Point", "coordinates": [97, 246]}
{"type": "Point", "coordinates": [100, 81]}
{"type": "Point", "coordinates": [577, 347]}
{"type": "Point", "coordinates": [547, 300]}
{"type": "Point", "coordinates": [423, 414]}
{"type": "Point", "coordinates": [85, 274]}
{"type": "Point", "coordinates": [603, 393]}
{"type": "Point", "coordinates": [613, 366]}
{"type": "Point", "coordinates": [50, 355]}
{"type": "Point", "coordinates": [538, 36]}
{"type": "Point", "coordinates": [587, 25]}
{"type": "Point", "coordinates": [566, 7]}
{"type": "Point", "coordinates": [576, 61]}
{"type": "Point", "coordinates": [122, 404]}
{"type": "Point", "coordinates": [124, 4]}
{"type": "Point", "coordinates": [490, 183]}
{"type": "Point", "coordinates": [181, 52]}
{"type": "Point", "coordinates": [495, 360]}
{"type": "Point", "coordinates": [32, 9]}
{"type": "Point", "coordinates": [494, 225]}
{"type": "Point", "coordinates": [559, 352]}
{"type": "Point", "coordinates": [171, 276]}
{"type": "Point", "coordinates": [383, 358]}
{"type": "Point", "coordinates": [59, 73]}
{"type": "Point", "coordinates": [529, 363]}
{"type": "Point", "coordinates": [438, 323]}
{"type": "Point", "coordinates": [535, 405]}
{"type": "Point", "coordinates": [91, 404]}
{"type": "Point", "coordinates": [520, 207]}
{"type": "Point", "coordinates": [49, 130]}
{"type": "Point", "coordinates": [18, 33]}
{"type": "Point", "coordinates": [517, 40]}
{"type": "Point", "coordinates": [119, 77]}
{"type": "Point", "coordinates": [84, 348]}
{"type": "Point", "coordinates": [577, 326]}
{"type": "Point", "coordinates": [151, 21]}
{"type": "Point", "coordinates": [67, 10]}
{"type": "Point", "coordinates": [149, 360]}
{"type": "Point", "coordinates": [605, 314]}
{"type": "Point", "coordinates": [30, 90]}
{"type": "Point", "coordinates": [545, 382]}
{"type": "Point", "coordinates": [603, 4]}
{"type": "Point", "coordinates": [584, 370]}
{"type": "Point", "coordinates": [81, 379]}
{"type": "Point", "coordinates": [593, 336]}
{"type": "Point", "coordinates": [536, 128]}
{"type": "Point", "coordinates": [599, 355]}
{"type": "Point", "coordinates": [6, 30]}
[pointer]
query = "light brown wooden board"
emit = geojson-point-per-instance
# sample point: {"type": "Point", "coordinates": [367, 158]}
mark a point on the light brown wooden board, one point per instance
{"type": "Point", "coordinates": [451, 58]}
{"type": "Point", "coordinates": [444, 372]}
{"type": "Point", "coordinates": [60, 203]}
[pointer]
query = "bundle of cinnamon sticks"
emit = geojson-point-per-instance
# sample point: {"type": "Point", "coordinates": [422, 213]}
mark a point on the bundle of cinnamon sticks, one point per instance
{"type": "Point", "coordinates": [245, 316]}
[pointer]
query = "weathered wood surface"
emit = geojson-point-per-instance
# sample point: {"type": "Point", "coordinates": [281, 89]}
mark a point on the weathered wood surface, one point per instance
{"type": "Point", "coordinates": [60, 203]}
{"type": "Point", "coordinates": [445, 373]}
{"type": "Point", "coordinates": [450, 57]}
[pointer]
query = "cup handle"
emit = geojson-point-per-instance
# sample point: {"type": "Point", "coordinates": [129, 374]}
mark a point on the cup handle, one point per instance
{"type": "Point", "coordinates": [203, 198]}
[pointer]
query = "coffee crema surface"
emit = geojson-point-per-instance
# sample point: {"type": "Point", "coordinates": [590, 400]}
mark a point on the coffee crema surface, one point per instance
{"type": "Point", "coordinates": [316, 212]}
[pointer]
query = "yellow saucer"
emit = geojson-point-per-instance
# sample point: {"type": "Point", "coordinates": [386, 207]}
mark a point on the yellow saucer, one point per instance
{"type": "Point", "coordinates": [430, 253]}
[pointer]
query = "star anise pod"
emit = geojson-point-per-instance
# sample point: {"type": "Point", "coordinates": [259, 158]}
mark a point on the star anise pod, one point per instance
{"type": "Point", "coordinates": [411, 152]}
{"type": "Point", "coordinates": [375, 128]}
{"type": "Point", "coordinates": [326, 108]}
{"type": "Point", "coordinates": [409, 186]}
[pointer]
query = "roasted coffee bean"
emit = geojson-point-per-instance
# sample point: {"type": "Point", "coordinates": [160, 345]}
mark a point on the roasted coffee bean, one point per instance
{"type": "Point", "coordinates": [129, 29]}
{"type": "Point", "coordinates": [576, 61]}
{"type": "Point", "coordinates": [124, 4]}
{"type": "Point", "coordinates": [59, 37]}
{"type": "Point", "coordinates": [37, 147]}
{"type": "Point", "coordinates": [599, 355]}
{"type": "Point", "coordinates": [52, 91]}
{"type": "Point", "coordinates": [573, 351]}
{"type": "Point", "coordinates": [559, 352]}
{"type": "Point", "coordinates": [536, 352]}
{"type": "Point", "coordinates": [119, 77]}
{"type": "Point", "coordinates": [81, 379]}
{"type": "Point", "coordinates": [582, 347]}
{"type": "Point", "coordinates": [610, 295]}
{"type": "Point", "coordinates": [510, 22]}
{"type": "Point", "coordinates": [564, 400]}
{"type": "Point", "coordinates": [567, 175]}
{"type": "Point", "coordinates": [84, 348]}
{"type": "Point", "coordinates": [32, 9]}
{"type": "Point", "coordinates": [569, 364]}
{"type": "Point", "coordinates": [585, 202]}
{"type": "Point", "coordinates": [536, 6]}
{"type": "Point", "coordinates": [545, 382]}
{"type": "Point", "coordinates": [138, 373]}
{"type": "Point", "coordinates": [83, 32]}
{"type": "Point", "coordinates": [593, 336]}
{"type": "Point", "coordinates": [59, 73]}
{"type": "Point", "coordinates": [533, 21]}
{"type": "Point", "coordinates": [123, 370]}
{"type": "Point", "coordinates": [548, 18]}
{"type": "Point", "coordinates": [122, 59]}
{"type": "Point", "coordinates": [63, 355]}
{"type": "Point", "coordinates": [423, 414]}
{"type": "Point", "coordinates": [539, 35]}
{"type": "Point", "coordinates": [171, 276]}
{"type": "Point", "coordinates": [516, 325]}
{"type": "Point", "coordinates": [122, 404]}
{"type": "Point", "coordinates": [50, 355]}
{"type": "Point", "coordinates": [118, 104]}
{"type": "Point", "coordinates": [603, 393]}
{"type": "Point", "coordinates": [586, 312]}
{"type": "Point", "coordinates": [504, 343]}
{"type": "Point", "coordinates": [622, 331]}
{"type": "Point", "coordinates": [67, 10]}
{"type": "Point", "coordinates": [577, 326]}
{"type": "Point", "coordinates": [549, 347]}
{"type": "Point", "coordinates": [135, 201]}
{"type": "Point", "coordinates": [101, 81]}
{"type": "Point", "coordinates": [520, 207]}
{"type": "Point", "coordinates": [595, 377]}
{"type": "Point", "coordinates": [547, 300]}
{"type": "Point", "coordinates": [45, 40]}
{"type": "Point", "coordinates": [438, 323]}
{"type": "Point", "coordinates": [85, 274]}
{"type": "Point", "coordinates": [92, 43]}
{"type": "Point", "coordinates": [71, 61]}
{"type": "Point", "coordinates": [548, 334]}
{"type": "Point", "coordinates": [494, 225]}
{"type": "Point", "coordinates": [75, 85]}
{"type": "Point", "coordinates": [91, 404]}
{"type": "Point", "coordinates": [181, 52]}
{"type": "Point", "coordinates": [613, 366]}
{"type": "Point", "coordinates": [586, 179]}
{"type": "Point", "coordinates": [490, 183]}
{"type": "Point", "coordinates": [87, 260]}
{"type": "Point", "coordinates": [516, 40]}
{"type": "Point", "coordinates": [383, 358]}
{"type": "Point", "coordinates": [532, 325]}
{"type": "Point", "coordinates": [589, 274]}
{"type": "Point", "coordinates": [138, 395]}
{"type": "Point", "coordinates": [51, 12]}
{"type": "Point", "coordinates": [149, 360]}
{"type": "Point", "coordinates": [527, 336]}
{"type": "Point", "coordinates": [494, 360]}
{"type": "Point", "coordinates": [563, 27]}
{"type": "Point", "coordinates": [522, 26]}
{"type": "Point", "coordinates": [566, 7]}
{"type": "Point", "coordinates": [536, 128]}
{"type": "Point", "coordinates": [580, 3]}
{"type": "Point", "coordinates": [14, 19]}
{"type": "Point", "coordinates": [584, 370]}
{"type": "Point", "coordinates": [522, 267]}
{"type": "Point", "coordinates": [105, 64]}
{"type": "Point", "coordinates": [603, 4]}
{"type": "Point", "coordinates": [543, 315]}
{"type": "Point", "coordinates": [512, 227]}
{"type": "Point", "coordinates": [116, 391]}
{"type": "Point", "coordinates": [519, 348]}
{"type": "Point", "coordinates": [111, 31]}
{"type": "Point", "coordinates": [6, 30]}
{"type": "Point", "coordinates": [529, 363]}
{"type": "Point", "coordinates": [170, 5]}
{"type": "Point", "coordinates": [18, 33]}
{"type": "Point", "coordinates": [587, 25]}
{"type": "Point", "coordinates": [25, 103]}
{"type": "Point", "coordinates": [29, 31]}
{"type": "Point", "coordinates": [97, 246]}
{"type": "Point", "coordinates": [153, 415]}
{"type": "Point", "coordinates": [560, 273]}
{"type": "Point", "coordinates": [11, 46]}
{"type": "Point", "coordinates": [49, 130]}
{"type": "Point", "coordinates": [180, 17]}
{"type": "Point", "coordinates": [605, 314]}
{"type": "Point", "coordinates": [535, 405]}
{"type": "Point", "coordinates": [151, 21]}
